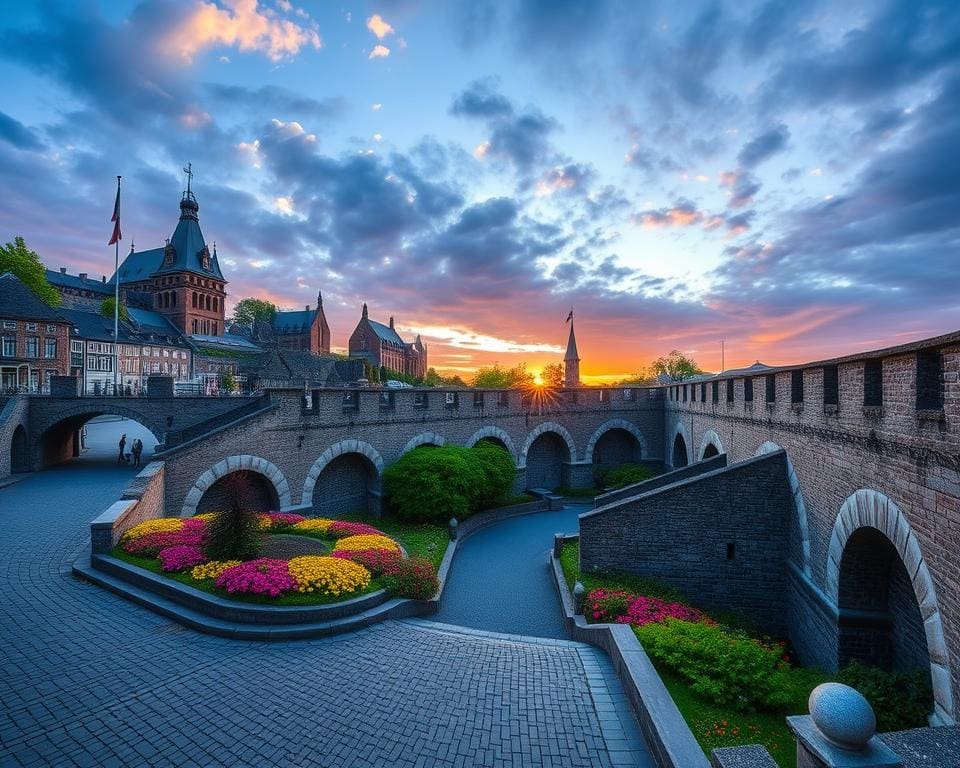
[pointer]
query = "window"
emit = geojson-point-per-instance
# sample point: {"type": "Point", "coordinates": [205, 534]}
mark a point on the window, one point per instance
{"type": "Point", "coordinates": [478, 399]}
{"type": "Point", "coordinates": [796, 387]}
{"type": "Point", "coordinates": [771, 387]}
{"type": "Point", "coordinates": [91, 362]}
{"type": "Point", "coordinates": [684, 388]}
{"type": "Point", "coordinates": [693, 393]}
{"type": "Point", "coordinates": [420, 400]}
{"type": "Point", "coordinates": [166, 353]}
{"type": "Point", "coordinates": [604, 396]}
{"type": "Point", "coordinates": [49, 348]}
{"type": "Point", "coordinates": [33, 346]}
{"type": "Point", "coordinates": [31, 326]}
{"type": "Point", "coordinates": [703, 393]}
{"type": "Point", "coordinates": [831, 385]}
{"type": "Point", "coordinates": [628, 394]}
{"type": "Point", "coordinates": [873, 383]}
{"type": "Point", "coordinates": [76, 354]}
{"type": "Point", "coordinates": [451, 400]}
{"type": "Point", "coordinates": [387, 399]}
{"type": "Point", "coordinates": [715, 396]}
{"type": "Point", "coordinates": [51, 328]}
{"type": "Point", "coordinates": [194, 299]}
{"type": "Point", "coordinates": [9, 346]}
{"type": "Point", "coordinates": [503, 399]}
{"type": "Point", "coordinates": [9, 325]}
{"type": "Point", "coordinates": [729, 390]}
{"type": "Point", "coordinates": [748, 390]}
{"type": "Point", "coordinates": [145, 351]}
{"type": "Point", "coordinates": [929, 384]}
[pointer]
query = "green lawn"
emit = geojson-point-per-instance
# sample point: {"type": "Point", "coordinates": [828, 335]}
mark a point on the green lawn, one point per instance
{"type": "Point", "coordinates": [712, 725]}
{"type": "Point", "coordinates": [427, 540]}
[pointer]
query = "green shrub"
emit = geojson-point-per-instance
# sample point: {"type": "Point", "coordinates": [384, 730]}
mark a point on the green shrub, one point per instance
{"type": "Point", "coordinates": [451, 481]}
{"type": "Point", "coordinates": [234, 533]}
{"type": "Point", "coordinates": [900, 700]}
{"type": "Point", "coordinates": [626, 474]}
{"type": "Point", "coordinates": [728, 667]}
{"type": "Point", "coordinates": [414, 578]}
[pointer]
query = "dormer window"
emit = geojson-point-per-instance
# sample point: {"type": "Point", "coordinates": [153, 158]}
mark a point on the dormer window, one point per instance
{"type": "Point", "coordinates": [168, 254]}
{"type": "Point", "coordinates": [205, 259]}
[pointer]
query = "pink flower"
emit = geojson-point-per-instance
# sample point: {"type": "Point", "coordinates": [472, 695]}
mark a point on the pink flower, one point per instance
{"type": "Point", "coordinates": [178, 557]}
{"type": "Point", "coordinates": [151, 544]}
{"type": "Point", "coordinates": [283, 519]}
{"type": "Point", "coordinates": [264, 576]}
{"type": "Point", "coordinates": [377, 561]}
{"type": "Point", "coordinates": [341, 528]}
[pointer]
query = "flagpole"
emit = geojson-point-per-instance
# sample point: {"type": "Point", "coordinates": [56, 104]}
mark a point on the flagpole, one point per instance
{"type": "Point", "coordinates": [116, 298]}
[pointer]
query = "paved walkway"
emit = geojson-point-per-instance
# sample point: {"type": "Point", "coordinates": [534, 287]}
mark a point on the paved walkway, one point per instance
{"type": "Point", "coordinates": [87, 678]}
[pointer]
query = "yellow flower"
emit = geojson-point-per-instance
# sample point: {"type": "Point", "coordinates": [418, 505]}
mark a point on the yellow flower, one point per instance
{"type": "Point", "coordinates": [206, 516]}
{"type": "Point", "coordinates": [212, 569]}
{"type": "Point", "coordinates": [313, 525]}
{"type": "Point", "coordinates": [160, 525]}
{"type": "Point", "coordinates": [366, 541]}
{"type": "Point", "coordinates": [328, 575]}
{"type": "Point", "coordinates": [264, 522]}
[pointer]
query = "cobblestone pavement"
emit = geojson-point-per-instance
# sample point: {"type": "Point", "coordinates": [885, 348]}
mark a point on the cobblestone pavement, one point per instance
{"type": "Point", "coordinates": [87, 678]}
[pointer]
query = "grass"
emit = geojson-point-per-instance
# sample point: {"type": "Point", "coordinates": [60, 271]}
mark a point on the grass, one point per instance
{"type": "Point", "coordinates": [509, 501]}
{"type": "Point", "coordinates": [427, 540]}
{"type": "Point", "coordinates": [579, 493]}
{"type": "Point", "coordinates": [712, 725]}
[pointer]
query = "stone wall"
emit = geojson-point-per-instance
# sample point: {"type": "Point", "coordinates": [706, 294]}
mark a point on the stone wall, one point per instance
{"type": "Point", "coordinates": [906, 452]}
{"type": "Point", "coordinates": [141, 500]}
{"type": "Point", "coordinates": [667, 478]}
{"type": "Point", "coordinates": [718, 536]}
{"type": "Point", "coordinates": [14, 412]}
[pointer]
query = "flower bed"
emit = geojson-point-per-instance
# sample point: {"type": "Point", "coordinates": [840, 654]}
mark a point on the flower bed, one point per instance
{"type": "Point", "coordinates": [364, 559]}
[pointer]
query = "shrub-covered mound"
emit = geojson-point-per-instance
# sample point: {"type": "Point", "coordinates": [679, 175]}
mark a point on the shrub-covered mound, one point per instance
{"type": "Point", "coordinates": [436, 484]}
{"type": "Point", "coordinates": [363, 558]}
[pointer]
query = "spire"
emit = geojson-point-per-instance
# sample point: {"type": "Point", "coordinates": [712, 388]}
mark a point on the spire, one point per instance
{"type": "Point", "coordinates": [572, 353]}
{"type": "Point", "coordinates": [319, 299]}
{"type": "Point", "coordinates": [188, 203]}
{"type": "Point", "coordinates": [391, 322]}
{"type": "Point", "coordinates": [571, 360]}
{"type": "Point", "coordinates": [364, 314]}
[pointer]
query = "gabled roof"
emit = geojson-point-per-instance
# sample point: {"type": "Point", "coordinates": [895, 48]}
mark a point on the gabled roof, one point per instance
{"type": "Point", "coordinates": [140, 265]}
{"type": "Point", "coordinates": [17, 301]}
{"type": "Point", "coordinates": [79, 283]}
{"type": "Point", "coordinates": [227, 341]}
{"type": "Point", "coordinates": [386, 333]}
{"type": "Point", "coordinates": [148, 323]}
{"type": "Point", "coordinates": [93, 325]}
{"type": "Point", "coordinates": [297, 321]}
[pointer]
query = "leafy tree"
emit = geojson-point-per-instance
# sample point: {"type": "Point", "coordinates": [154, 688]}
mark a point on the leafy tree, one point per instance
{"type": "Point", "coordinates": [248, 311]}
{"type": "Point", "coordinates": [499, 472]}
{"type": "Point", "coordinates": [15, 257]}
{"type": "Point", "coordinates": [641, 377]}
{"type": "Point", "coordinates": [432, 379]}
{"type": "Point", "coordinates": [552, 375]}
{"type": "Point", "coordinates": [228, 382]}
{"type": "Point", "coordinates": [434, 483]}
{"type": "Point", "coordinates": [234, 533]}
{"type": "Point", "coordinates": [106, 309]}
{"type": "Point", "coordinates": [676, 366]}
{"type": "Point", "coordinates": [497, 377]}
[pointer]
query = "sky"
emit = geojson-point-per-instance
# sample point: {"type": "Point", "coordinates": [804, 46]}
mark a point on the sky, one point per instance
{"type": "Point", "coordinates": [779, 176]}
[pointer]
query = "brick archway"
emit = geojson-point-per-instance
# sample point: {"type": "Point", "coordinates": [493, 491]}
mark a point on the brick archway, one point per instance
{"type": "Point", "coordinates": [338, 449]}
{"type": "Point", "coordinates": [868, 508]}
{"type": "Point", "coordinates": [244, 462]}
{"type": "Point", "coordinates": [710, 438]}
{"type": "Point", "coordinates": [681, 430]}
{"type": "Point", "coordinates": [547, 426]}
{"type": "Point", "coordinates": [73, 418]}
{"type": "Point", "coordinates": [494, 433]}
{"type": "Point", "coordinates": [614, 424]}
{"type": "Point", "coordinates": [798, 504]}
{"type": "Point", "coordinates": [424, 438]}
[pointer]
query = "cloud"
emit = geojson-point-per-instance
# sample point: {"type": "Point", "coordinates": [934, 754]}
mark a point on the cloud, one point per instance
{"type": "Point", "coordinates": [379, 26]}
{"type": "Point", "coordinates": [481, 99]}
{"type": "Point", "coordinates": [570, 178]}
{"type": "Point", "coordinates": [16, 133]}
{"type": "Point", "coordinates": [683, 214]}
{"type": "Point", "coordinates": [244, 25]}
{"type": "Point", "coordinates": [274, 99]}
{"type": "Point", "coordinates": [764, 146]}
{"type": "Point", "coordinates": [379, 52]}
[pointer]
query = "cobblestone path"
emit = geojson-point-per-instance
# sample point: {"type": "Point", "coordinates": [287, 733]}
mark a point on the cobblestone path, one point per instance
{"type": "Point", "coordinates": [87, 678]}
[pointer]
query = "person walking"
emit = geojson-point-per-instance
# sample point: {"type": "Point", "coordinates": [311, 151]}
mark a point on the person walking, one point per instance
{"type": "Point", "coordinates": [137, 449]}
{"type": "Point", "coordinates": [123, 444]}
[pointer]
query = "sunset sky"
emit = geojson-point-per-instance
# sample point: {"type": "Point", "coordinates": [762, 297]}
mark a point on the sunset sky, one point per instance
{"type": "Point", "coordinates": [782, 176]}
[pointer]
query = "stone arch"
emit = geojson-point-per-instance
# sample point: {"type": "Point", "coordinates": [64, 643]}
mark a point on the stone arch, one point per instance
{"type": "Point", "coordinates": [424, 438]}
{"type": "Point", "coordinates": [547, 426]}
{"type": "Point", "coordinates": [614, 424]}
{"type": "Point", "coordinates": [710, 438]}
{"type": "Point", "coordinates": [55, 438]}
{"type": "Point", "coordinates": [224, 467]}
{"type": "Point", "coordinates": [335, 450]}
{"type": "Point", "coordinates": [867, 508]}
{"type": "Point", "coordinates": [679, 431]}
{"type": "Point", "coordinates": [493, 433]}
{"type": "Point", "coordinates": [19, 451]}
{"type": "Point", "coordinates": [799, 505]}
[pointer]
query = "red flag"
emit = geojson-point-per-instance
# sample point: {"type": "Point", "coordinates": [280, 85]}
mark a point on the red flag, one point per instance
{"type": "Point", "coordinates": [116, 218]}
{"type": "Point", "coordinates": [569, 317]}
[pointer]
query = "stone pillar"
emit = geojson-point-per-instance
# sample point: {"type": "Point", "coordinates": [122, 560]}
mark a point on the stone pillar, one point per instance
{"type": "Point", "coordinates": [578, 474]}
{"type": "Point", "coordinates": [160, 386]}
{"type": "Point", "coordinates": [520, 480]}
{"type": "Point", "coordinates": [840, 732]}
{"type": "Point", "coordinates": [64, 386]}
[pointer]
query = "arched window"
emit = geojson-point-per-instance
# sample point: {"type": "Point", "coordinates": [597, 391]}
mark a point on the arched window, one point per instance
{"type": "Point", "coordinates": [194, 299]}
{"type": "Point", "coordinates": [173, 296]}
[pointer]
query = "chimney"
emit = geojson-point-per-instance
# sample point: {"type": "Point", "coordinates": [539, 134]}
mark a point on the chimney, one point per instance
{"type": "Point", "coordinates": [63, 270]}
{"type": "Point", "coordinates": [307, 307]}
{"type": "Point", "coordinates": [83, 275]}
{"type": "Point", "coordinates": [391, 322]}
{"type": "Point", "coordinates": [104, 278]}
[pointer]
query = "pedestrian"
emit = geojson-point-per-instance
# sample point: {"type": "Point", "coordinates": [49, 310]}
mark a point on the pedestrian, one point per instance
{"type": "Point", "coordinates": [137, 449]}
{"type": "Point", "coordinates": [123, 444]}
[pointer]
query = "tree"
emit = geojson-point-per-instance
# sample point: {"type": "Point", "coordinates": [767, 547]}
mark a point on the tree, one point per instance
{"type": "Point", "coordinates": [676, 366]}
{"type": "Point", "coordinates": [106, 309]}
{"type": "Point", "coordinates": [552, 375]}
{"type": "Point", "coordinates": [15, 257]}
{"type": "Point", "coordinates": [248, 311]}
{"type": "Point", "coordinates": [432, 379]}
{"type": "Point", "coordinates": [228, 382]}
{"type": "Point", "coordinates": [234, 532]}
{"type": "Point", "coordinates": [497, 377]}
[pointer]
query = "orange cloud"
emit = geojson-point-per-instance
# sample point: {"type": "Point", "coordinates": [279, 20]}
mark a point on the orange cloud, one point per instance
{"type": "Point", "coordinates": [379, 52]}
{"type": "Point", "coordinates": [242, 24]}
{"type": "Point", "coordinates": [379, 26]}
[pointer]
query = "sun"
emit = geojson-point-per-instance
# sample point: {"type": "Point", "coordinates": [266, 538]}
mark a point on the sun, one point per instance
{"type": "Point", "coordinates": [538, 378]}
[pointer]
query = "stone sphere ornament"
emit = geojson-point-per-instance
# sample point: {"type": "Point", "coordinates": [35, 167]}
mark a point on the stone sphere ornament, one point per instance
{"type": "Point", "coordinates": [842, 715]}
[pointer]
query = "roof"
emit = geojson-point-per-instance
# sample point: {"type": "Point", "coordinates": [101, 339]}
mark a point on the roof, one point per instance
{"type": "Point", "coordinates": [386, 333]}
{"type": "Point", "coordinates": [572, 353]}
{"type": "Point", "coordinates": [143, 327]}
{"type": "Point", "coordinates": [296, 321]}
{"type": "Point", "coordinates": [139, 265]}
{"type": "Point", "coordinates": [18, 301]}
{"type": "Point", "coordinates": [79, 283]}
{"type": "Point", "coordinates": [227, 341]}
{"type": "Point", "coordinates": [93, 325]}
{"type": "Point", "coordinates": [152, 326]}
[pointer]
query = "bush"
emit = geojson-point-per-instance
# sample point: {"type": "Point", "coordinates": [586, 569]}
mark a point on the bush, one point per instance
{"type": "Point", "coordinates": [899, 699]}
{"type": "Point", "coordinates": [439, 483]}
{"type": "Point", "coordinates": [626, 474]}
{"type": "Point", "coordinates": [414, 578]}
{"type": "Point", "coordinates": [234, 534]}
{"type": "Point", "coordinates": [728, 667]}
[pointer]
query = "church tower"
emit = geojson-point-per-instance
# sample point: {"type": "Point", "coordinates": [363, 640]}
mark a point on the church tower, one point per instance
{"type": "Point", "coordinates": [571, 360]}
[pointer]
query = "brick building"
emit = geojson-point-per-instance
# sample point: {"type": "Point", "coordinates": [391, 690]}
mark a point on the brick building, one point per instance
{"type": "Point", "coordinates": [34, 339]}
{"type": "Point", "coordinates": [303, 330]}
{"type": "Point", "coordinates": [80, 291]}
{"type": "Point", "coordinates": [381, 347]}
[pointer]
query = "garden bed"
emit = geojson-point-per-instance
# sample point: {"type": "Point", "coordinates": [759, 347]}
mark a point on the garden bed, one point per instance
{"type": "Point", "coordinates": [733, 686]}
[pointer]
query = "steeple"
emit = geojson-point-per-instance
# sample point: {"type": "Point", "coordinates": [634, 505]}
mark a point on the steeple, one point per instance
{"type": "Point", "coordinates": [188, 203]}
{"type": "Point", "coordinates": [364, 313]}
{"type": "Point", "coordinates": [571, 360]}
{"type": "Point", "coordinates": [319, 299]}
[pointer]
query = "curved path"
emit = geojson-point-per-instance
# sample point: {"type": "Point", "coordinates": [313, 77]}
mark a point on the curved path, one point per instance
{"type": "Point", "coordinates": [87, 678]}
